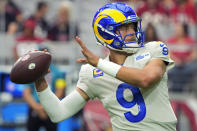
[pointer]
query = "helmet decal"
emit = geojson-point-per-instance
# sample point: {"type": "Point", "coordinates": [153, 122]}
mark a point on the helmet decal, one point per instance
{"type": "Point", "coordinates": [96, 26]}
{"type": "Point", "coordinates": [107, 21]}
{"type": "Point", "coordinates": [116, 15]}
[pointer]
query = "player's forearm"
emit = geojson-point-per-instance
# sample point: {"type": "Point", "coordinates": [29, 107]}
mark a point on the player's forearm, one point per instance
{"type": "Point", "coordinates": [135, 77]}
{"type": "Point", "coordinates": [60, 110]}
{"type": "Point", "coordinates": [142, 78]}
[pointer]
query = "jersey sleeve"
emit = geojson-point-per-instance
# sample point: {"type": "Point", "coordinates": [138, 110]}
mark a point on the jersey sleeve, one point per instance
{"type": "Point", "coordinates": [84, 81]}
{"type": "Point", "coordinates": [161, 51]}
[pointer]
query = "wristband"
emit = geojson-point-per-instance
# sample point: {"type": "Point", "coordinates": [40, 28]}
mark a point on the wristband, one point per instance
{"type": "Point", "coordinates": [108, 67]}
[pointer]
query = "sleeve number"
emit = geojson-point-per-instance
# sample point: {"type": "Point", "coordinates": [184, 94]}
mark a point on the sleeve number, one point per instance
{"type": "Point", "coordinates": [164, 50]}
{"type": "Point", "coordinates": [137, 99]}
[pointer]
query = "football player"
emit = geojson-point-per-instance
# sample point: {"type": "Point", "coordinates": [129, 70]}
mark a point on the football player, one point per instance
{"type": "Point", "coordinates": [131, 81]}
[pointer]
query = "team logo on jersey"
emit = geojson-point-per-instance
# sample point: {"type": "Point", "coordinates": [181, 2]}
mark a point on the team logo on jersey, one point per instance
{"type": "Point", "coordinates": [97, 73]}
{"type": "Point", "coordinates": [143, 56]}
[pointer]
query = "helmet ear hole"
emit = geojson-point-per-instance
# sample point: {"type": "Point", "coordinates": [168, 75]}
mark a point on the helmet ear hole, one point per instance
{"type": "Point", "coordinates": [110, 28]}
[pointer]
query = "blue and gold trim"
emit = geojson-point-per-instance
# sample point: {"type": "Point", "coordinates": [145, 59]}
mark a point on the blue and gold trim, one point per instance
{"type": "Point", "coordinates": [97, 73]}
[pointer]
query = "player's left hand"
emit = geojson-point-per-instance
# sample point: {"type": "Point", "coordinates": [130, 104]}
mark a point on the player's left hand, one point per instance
{"type": "Point", "coordinates": [91, 58]}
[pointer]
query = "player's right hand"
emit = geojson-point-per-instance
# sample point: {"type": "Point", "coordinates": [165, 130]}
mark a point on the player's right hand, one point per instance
{"type": "Point", "coordinates": [41, 84]}
{"type": "Point", "coordinates": [91, 58]}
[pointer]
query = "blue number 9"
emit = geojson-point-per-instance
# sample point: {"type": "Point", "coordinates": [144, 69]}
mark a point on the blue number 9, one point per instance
{"type": "Point", "coordinates": [137, 99]}
{"type": "Point", "coordinates": [165, 49]}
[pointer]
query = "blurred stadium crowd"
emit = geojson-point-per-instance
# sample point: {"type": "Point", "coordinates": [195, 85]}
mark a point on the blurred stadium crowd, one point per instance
{"type": "Point", "coordinates": [27, 25]}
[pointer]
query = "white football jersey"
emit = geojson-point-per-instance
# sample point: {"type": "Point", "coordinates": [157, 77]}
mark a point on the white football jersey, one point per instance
{"type": "Point", "coordinates": [132, 108]}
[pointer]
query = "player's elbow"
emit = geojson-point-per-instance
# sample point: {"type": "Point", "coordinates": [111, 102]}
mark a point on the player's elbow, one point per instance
{"type": "Point", "coordinates": [56, 119]}
{"type": "Point", "coordinates": [58, 115]}
{"type": "Point", "coordinates": [144, 84]}
{"type": "Point", "coordinates": [147, 81]}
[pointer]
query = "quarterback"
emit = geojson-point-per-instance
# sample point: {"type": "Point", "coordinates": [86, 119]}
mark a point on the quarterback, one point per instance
{"type": "Point", "coordinates": [131, 81]}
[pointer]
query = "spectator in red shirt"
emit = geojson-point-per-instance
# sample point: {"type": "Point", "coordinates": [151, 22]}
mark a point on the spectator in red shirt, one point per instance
{"type": "Point", "coordinates": [183, 46]}
{"type": "Point", "coordinates": [168, 5]}
{"type": "Point", "coordinates": [28, 32]}
{"type": "Point", "coordinates": [184, 12]}
{"type": "Point", "coordinates": [152, 11]}
{"type": "Point", "coordinates": [27, 41]}
{"type": "Point", "coordinates": [183, 51]}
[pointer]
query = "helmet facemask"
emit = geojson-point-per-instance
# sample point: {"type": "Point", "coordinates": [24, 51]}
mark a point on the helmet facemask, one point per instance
{"type": "Point", "coordinates": [107, 22]}
{"type": "Point", "coordinates": [130, 43]}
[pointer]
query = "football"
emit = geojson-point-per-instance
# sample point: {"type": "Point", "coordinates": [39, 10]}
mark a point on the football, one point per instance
{"type": "Point", "coordinates": [30, 67]}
